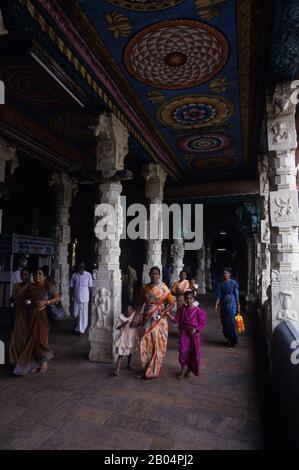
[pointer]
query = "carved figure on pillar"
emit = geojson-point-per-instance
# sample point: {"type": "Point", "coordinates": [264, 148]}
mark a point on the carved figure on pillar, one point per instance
{"type": "Point", "coordinates": [103, 304]}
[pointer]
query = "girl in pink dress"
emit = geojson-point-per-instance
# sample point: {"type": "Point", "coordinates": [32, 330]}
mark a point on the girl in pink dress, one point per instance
{"type": "Point", "coordinates": [191, 320]}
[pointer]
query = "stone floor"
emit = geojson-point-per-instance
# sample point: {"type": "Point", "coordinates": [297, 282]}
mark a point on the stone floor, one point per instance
{"type": "Point", "coordinates": [79, 405]}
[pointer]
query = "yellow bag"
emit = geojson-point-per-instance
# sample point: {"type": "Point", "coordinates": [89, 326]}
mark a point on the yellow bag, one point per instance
{"type": "Point", "coordinates": [239, 323]}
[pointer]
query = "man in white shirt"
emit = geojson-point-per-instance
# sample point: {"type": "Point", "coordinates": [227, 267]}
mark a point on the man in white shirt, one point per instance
{"type": "Point", "coordinates": [81, 294]}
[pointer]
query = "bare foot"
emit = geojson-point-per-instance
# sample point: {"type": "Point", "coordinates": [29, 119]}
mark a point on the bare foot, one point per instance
{"type": "Point", "coordinates": [179, 376]}
{"type": "Point", "coordinates": [44, 368]}
{"type": "Point", "coordinates": [116, 372]}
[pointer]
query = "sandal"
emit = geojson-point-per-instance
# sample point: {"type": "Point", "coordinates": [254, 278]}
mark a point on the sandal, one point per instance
{"type": "Point", "coordinates": [116, 372]}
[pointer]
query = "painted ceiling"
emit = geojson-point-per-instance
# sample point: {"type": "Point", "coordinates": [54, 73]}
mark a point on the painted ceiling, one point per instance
{"type": "Point", "coordinates": [186, 62]}
{"type": "Point", "coordinates": [179, 73]}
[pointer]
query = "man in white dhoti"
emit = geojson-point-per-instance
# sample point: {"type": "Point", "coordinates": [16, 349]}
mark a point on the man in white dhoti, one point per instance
{"type": "Point", "coordinates": [81, 294]}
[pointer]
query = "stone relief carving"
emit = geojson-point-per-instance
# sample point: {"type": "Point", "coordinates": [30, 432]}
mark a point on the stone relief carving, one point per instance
{"type": "Point", "coordinates": [102, 306]}
{"type": "Point", "coordinates": [279, 132]}
{"type": "Point", "coordinates": [275, 275]}
{"type": "Point", "coordinates": [286, 309]}
{"type": "Point", "coordinates": [265, 231]}
{"type": "Point", "coordinates": [295, 277]}
{"type": "Point", "coordinates": [285, 98]}
{"type": "Point", "coordinates": [177, 251]}
{"type": "Point", "coordinates": [281, 99]}
{"type": "Point", "coordinates": [265, 279]}
{"type": "Point", "coordinates": [285, 207]}
{"type": "Point", "coordinates": [103, 126]}
{"type": "Point", "coordinates": [264, 177]}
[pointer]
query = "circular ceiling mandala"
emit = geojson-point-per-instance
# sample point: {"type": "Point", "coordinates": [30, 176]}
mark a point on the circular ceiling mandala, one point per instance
{"type": "Point", "coordinates": [31, 85]}
{"type": "Point", "coordinates": [73, 125]}
{"type": "Point", "coordinates": [145, 5]}
{"type": "Point", "coordinates": [213, 162]}
{"type": "Point", "coordinates": [192, 111]}
{"type": "Point", "coordinates": [176, 54]}
{"type": "Point", "coordinates": [205, 142]}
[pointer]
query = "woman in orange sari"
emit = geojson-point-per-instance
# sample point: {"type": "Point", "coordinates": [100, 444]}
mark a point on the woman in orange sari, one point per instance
{"type": "Point", "coordinates": [36, 354]}
{"type": "Point", "coordinates": [154, 334]}
{"type": "Point", "coordinates": [179, 288]}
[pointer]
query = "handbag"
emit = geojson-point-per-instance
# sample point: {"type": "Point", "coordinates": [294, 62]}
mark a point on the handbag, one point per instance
{"type": "Point", "coordinates": [56, 312]}
{"type": "Point", "coordinates": [240, 323]}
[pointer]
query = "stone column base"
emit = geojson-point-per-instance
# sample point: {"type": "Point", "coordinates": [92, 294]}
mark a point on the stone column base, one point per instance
{"type": "Point", "coordinates": [101, 347]}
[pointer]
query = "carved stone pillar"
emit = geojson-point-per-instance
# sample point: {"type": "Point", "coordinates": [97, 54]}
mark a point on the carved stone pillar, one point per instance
{"type": "Point", "coordinates": [250, 272]}
{"type": "Point", "coordinates": [155, 179]}
{"type": "Point", "coordinates": [177, 255]}
{"type": "Point", "coordinates": [200, 273]}
{"type": "Point", "coordinates": [264, 230]}
{"type": "Point", "coordinates": [284, 214]}
{"type": "Point", "coordinates": [64, 187]}
{"type": "Point", "coordinates": [257, 266]}
{"type": "Point", "coordinates": [7, 156]}
{"type": "Point", "coordinates": [112, 147]}
{"type": "Point", "coordinates": [208, 274]}
{"type": "Point", "coordinates": [3, 30]}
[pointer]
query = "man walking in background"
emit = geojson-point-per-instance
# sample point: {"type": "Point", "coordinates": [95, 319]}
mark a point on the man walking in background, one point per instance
{"type": "Point", "coordinates": [81, 295]}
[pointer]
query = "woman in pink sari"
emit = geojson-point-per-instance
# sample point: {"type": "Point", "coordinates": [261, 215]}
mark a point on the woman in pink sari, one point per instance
{"type": "Point", "coordinates": [154, 334]}
{"type": "Point", "coordinates": [191, 321]}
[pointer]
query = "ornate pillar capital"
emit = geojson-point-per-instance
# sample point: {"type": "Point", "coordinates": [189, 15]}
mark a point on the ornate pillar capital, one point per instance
{"type": "Point", "coordinates": [155, 178]}
{"type": "Point", "coordinates": [281, 109]}
{"type": "Point", "coordinates": [65, 186]}
{"type": "Point", "coordinates": [112, 144]}
{"type": "Point", "coordinates": [7, 155]}
{"type": "Point", "coordinates": [3, 30]}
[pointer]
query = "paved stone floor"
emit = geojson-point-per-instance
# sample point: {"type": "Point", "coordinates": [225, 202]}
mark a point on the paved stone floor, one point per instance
{"type": "Point", "coordinates": [79, 405]}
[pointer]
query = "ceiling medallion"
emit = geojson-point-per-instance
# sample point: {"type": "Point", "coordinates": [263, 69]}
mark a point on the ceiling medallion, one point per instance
{"type": "Point", "coordinates": [194, 111]}
{"type": "Point", "coordinates": [206, 142]}
{"type": "Point", "coordinates": [176, 54]}
{"type": "Point", "coordinates": [145, 5]}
